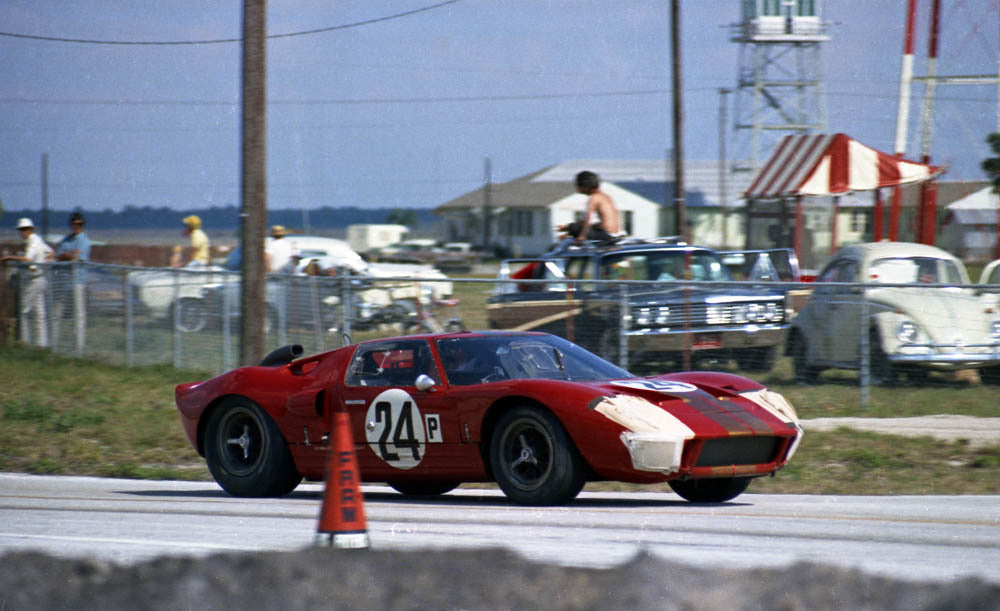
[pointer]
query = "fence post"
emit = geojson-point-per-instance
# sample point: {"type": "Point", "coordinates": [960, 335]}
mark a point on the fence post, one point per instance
{"type": "Point", "coordinates": [227, 307]}
{"type": "Point", "coordinates": [129, 321]}
{"type": "Point", "coordinates": [626, 318]}
{"type": "Point", "coordinates": [176, 319]}
{"type": "Point", "coordinates": [282, 306]}
{"type": "Point", "coordinates": [346, 306]}
{"type": "Point", "coordinates": [79, 314]}
{"type": "Point", "coordinates": [865, 350]}
{"type": "Point", "coordinates": [317, 315]}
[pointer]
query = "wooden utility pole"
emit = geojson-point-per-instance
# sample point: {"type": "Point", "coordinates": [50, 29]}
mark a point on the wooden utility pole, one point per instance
{"type": "Point", "coordinates": [680, 222]}
{"type": "Point", "coordinates": [253, 195]}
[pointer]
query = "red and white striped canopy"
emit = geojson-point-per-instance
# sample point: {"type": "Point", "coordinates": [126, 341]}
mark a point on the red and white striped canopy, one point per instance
{"type": "Point", "coordinates": [825, 164]}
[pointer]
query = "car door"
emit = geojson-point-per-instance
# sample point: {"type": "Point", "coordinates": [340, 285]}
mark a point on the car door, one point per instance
{"type": "Point", "coordinates": [826, 309]}
{"type": "Point", "coordinates": [401, 432]}
{"type": "Point", "coordinates": [843, 322]}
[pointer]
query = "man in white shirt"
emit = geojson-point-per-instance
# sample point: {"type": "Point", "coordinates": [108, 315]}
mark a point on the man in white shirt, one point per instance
{"type": "Point", "coordinates": [34, 286]}
{"type": "Point", "coordinates": [279, 252]}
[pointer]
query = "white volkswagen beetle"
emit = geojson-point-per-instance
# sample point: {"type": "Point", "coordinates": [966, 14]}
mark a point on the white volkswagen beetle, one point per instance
{"type": "Point", "coordinates": [922, 320]}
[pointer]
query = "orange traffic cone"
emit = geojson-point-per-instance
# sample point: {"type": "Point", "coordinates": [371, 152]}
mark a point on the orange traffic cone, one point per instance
{"type": "Point", "coordinates": [342, 518]}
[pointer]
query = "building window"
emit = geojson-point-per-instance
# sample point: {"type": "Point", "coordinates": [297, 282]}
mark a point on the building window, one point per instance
{"type": "Point", "coordinates": [522, 223]}
{"type": "Point", "coordinates": [627, 221]}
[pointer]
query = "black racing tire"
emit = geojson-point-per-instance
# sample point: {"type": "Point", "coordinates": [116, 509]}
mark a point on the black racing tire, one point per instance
{"type": "Point", "coordinates": [759, 359]}
{"type": "Point", "coordinates": [716, 490]}
{"type": "Point", "coordinates": [990, 375]}
{"type": "Point", "coordinates": [881, 371]}
{"type": "Point", "coordinates": [423, 488]}
{"type": "Point", "coordinates": [246, 452]}
{"type": "Point", "coordinates": [191, 315]}
{"type": "Point", "coordinates": [804, 372]}
{"type": "Point", "coordinates": [533, 459]}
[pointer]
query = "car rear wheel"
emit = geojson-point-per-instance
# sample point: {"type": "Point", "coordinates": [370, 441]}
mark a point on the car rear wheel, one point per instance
{"type": "Point", "coordinates": [756, 360]}
{"type": "Point", "coordinates": [533, 459]}
{"type": "Point", "coordinates": [246, 453]}
{"type": "Point", "coordinates": [191, 315]}
{"type": "Point", "coordinates": [423, 488]}
{"type": "Point", "coordinates": [710, 490]}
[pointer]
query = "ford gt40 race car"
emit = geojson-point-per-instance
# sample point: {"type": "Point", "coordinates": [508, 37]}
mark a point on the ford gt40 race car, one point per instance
{"type": "Point", "coordinates": [535, 413]}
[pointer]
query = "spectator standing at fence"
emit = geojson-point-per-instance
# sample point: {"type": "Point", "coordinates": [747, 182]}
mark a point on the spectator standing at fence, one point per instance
{"type": "Point", "coordinates": [599, 204]}
{"type": "Point", "coordinates": [69, 281]}
{"type": "Point", "coordinates": [279, 253]}
{"type": "Point", "coordinates": [33, 284]}
{"type": "Point", "coordinates": [199, 246]}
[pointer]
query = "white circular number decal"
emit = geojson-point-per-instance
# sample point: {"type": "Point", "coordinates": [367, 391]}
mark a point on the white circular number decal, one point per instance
{"type": "Point", "coordinates": [395, 429]}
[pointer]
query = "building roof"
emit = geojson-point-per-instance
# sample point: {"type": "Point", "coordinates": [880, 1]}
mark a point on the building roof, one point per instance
{"type": "Point", "coordinates": [644, 177]}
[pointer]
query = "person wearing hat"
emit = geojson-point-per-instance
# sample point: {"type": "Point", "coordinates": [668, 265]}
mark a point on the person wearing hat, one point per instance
{"type": "Point", "coordinates": [33, 295]}
{"type": "Point", "coordinates": [199, 244]}
{"type": "Point", "coordinates": [279, 253]}
{"type": "Point", "coordinates": [74, 247]}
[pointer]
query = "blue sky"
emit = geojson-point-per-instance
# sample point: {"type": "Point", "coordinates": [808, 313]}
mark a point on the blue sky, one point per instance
{"type": "Point", "coordinates": [402, 112]}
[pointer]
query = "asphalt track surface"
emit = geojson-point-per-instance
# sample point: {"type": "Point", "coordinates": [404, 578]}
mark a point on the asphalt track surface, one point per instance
{"type": "Point", "coordinates": [125, 522]}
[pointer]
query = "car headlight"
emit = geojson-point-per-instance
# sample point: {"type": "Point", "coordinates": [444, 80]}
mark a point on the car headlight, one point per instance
{"type": "Point", "coordinates": [646, 316]}
{"type": "Point", "coordinates": [772, 312]}
{"type": "Point", "coordinates": [907, 332]}
{"type": "Point", "coordinates": [995, 331]}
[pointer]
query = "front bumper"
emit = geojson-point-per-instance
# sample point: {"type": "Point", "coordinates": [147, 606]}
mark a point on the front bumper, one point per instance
{"type": "Point", "coordinates": [674, 339]}
{"type": "Point", "coordinates": [947, 356]}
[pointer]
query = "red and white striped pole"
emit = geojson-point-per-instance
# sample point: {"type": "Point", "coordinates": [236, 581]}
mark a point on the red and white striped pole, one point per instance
{"type": "Point", "coordinates": [903, 113]}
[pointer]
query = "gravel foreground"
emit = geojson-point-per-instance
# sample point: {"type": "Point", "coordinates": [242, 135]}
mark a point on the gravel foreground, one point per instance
{"type": "Point", "coordinates": [320, 578]}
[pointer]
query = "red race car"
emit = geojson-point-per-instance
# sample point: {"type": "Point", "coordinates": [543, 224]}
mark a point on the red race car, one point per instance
{"type": "Point", "coordinates": [533, 412]}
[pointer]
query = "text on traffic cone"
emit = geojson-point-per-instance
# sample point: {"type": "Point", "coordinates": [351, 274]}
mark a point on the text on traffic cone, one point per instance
{"type": "Point", "coordinates": [342, 517]}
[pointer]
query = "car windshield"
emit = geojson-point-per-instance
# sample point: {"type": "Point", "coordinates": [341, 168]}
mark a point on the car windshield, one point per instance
{"type": "Point", "coordinates": [476, 360]}
{"type": "Point", "coordinates": [665, 265]}
{"type": "Point", "coordinates": [903, 270]}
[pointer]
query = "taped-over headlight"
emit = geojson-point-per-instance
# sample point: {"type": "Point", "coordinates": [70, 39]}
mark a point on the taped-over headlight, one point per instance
{"type": "Point", "coordinates": [907, 332]}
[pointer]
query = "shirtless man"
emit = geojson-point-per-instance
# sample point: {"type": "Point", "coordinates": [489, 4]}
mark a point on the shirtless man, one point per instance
{"type": "Point", "coordinates": [608, 225]}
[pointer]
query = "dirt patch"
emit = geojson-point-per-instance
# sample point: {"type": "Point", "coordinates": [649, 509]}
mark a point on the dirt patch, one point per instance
{"type": "Point", "coordinates": [489, 579]}
{"type": "Point", "coordinates": [979, 432]}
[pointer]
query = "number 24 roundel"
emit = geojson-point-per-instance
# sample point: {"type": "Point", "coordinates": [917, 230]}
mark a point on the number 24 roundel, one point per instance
{"type": "Point", "coordinates": [396, 430]}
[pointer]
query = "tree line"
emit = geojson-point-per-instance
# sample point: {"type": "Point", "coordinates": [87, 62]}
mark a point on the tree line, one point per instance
{"type": "Point", "coordinates": [228, 218]}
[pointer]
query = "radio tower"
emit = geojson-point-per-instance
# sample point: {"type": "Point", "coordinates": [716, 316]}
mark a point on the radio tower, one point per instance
{"type": "Point", "coordinates": [780, 84]}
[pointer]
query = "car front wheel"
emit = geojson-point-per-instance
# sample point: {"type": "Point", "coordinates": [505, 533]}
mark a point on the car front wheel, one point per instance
{"type": "Point", "coordinates": [246, 452]}
{"type": "Point", "coordinates": [710, 490]}
{"type": "Point", "coordinates": [533, 459]}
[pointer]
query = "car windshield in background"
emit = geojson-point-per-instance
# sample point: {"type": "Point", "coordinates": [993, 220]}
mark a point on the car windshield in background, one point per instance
{"type": "Point", "coordinates": [662, 265]}
{"type": "Point", "coordinates": [476, 360]}
{"type": "Point", "coordinates": [903, 270]}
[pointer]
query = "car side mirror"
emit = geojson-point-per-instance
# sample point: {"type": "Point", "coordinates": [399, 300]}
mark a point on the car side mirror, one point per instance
{"type": "Point", "coordinates": [424, 383]}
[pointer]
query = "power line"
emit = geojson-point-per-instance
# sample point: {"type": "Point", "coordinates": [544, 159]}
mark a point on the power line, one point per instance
{"type": "Point", "coordinates": [343, 101]}
{"type": "Point", "coordinates": [225, 40]}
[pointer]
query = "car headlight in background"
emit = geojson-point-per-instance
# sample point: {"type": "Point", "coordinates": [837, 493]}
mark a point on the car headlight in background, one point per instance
{"type": "Point", "coordinates": [653, 315]}
{"type": "Point", "coordinates": [907, 332]}
{"type": "Point", "coordinates": [995, 331]}
{"type": "Point", "coordinates": [740, 313]}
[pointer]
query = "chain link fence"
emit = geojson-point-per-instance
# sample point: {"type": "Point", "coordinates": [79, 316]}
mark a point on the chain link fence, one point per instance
{"type": "Point", "coordinates": [809, 333]}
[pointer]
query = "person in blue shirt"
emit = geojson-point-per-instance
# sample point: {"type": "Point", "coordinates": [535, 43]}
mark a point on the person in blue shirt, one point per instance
{"type": "Point", "coordinates": [70, 281]}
